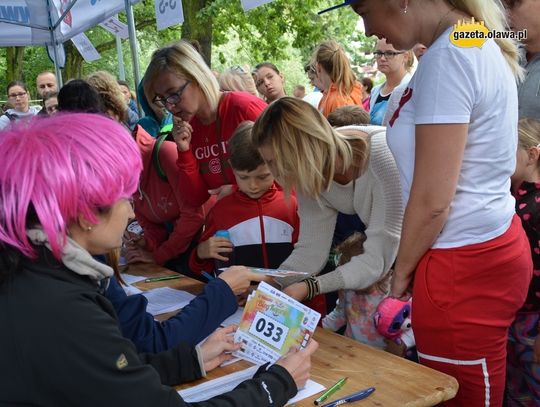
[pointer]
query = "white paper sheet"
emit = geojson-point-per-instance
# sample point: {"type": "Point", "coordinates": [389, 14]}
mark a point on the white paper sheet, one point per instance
{"type": "Point", "coordinates": [131, 279]}
{"type": "Point", "coordinates": [131, 289]}
{"type": "Point", "coordinates": [235, 318]}
{"type": "Point", "coordinates": [211, 388]}
{"type": "Point", "coordinates": [165, 299]}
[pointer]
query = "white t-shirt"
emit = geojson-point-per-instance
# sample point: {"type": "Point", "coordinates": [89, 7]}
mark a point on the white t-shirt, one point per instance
{"type": "Point", "coordinates": [464, 85]}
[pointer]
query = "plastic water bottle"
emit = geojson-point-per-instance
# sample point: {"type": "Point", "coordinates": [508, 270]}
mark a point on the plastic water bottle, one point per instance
{"type": "Point", "coordinates": [220, 263]}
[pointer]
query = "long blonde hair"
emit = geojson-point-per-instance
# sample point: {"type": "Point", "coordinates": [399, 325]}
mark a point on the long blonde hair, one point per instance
{"type": "Point", "coordinates": [528, 133]}
{"type": "Point", "coordinates": [492, 13]}
{"type": "Point", "coordinates": [181, 59]}
{"type": "Point", "coordinates": [332, 58]}
{"type": "Point", "coordinates": [306, 148]}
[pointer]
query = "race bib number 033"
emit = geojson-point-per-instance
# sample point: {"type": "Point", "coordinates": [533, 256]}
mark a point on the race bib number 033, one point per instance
{"type": "Point", "coordinates": [269, 330]}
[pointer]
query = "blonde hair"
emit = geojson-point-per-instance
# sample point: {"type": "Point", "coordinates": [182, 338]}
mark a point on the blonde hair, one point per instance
{"type": "Point", "coordinates": [332, 58]}
{"type": "Point", "coordinates": [493, 14]}
{"type": "Point", "coordinates": [239, 79]}
{"type": "Point", "coordinates": [110, 93]}
{"type": "Point", "coordinates": [306, 148]}
{"type": "Point", "coordinates": [528, 133]}
{"type": "Point", "coordinates": [181, 59]}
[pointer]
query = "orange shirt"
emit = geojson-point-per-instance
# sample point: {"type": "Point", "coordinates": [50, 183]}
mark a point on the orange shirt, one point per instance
{"type": "Point", "coordinates": [332, 99]}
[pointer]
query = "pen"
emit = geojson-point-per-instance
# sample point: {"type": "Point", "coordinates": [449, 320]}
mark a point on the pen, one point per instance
{"type": "Point", "coordinates": [165, 278]}
{"type": "Point", "coordinates": [362, 394]}
{"type": "Point", "coordinates": [208, 276]}
{"type": "Point", "coordinates": [331, 391]}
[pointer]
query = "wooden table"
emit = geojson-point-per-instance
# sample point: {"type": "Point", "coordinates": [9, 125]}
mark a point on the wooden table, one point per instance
{"type": "Point", "coordinates": [398, 382]}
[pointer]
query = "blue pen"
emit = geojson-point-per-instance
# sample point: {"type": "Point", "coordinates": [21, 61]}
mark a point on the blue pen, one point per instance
{"type": "Point", "coordinates": [362, 394]}
{"type": "Point", "coordinates": [208, 276]}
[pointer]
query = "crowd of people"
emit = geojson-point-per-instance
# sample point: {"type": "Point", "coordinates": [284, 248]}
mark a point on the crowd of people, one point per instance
{"type": "Point", "coordinates": [425, 186]}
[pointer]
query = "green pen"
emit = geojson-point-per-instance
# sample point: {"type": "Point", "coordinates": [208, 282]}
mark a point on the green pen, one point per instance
{"type": "Point", "coordinates": [331, 391]}
{"type": "Point", "coordinates": [155, 279]}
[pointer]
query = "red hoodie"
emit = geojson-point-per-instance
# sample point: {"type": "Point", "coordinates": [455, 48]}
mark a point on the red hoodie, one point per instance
{"type": "Point", "coordinates": [159, 202]}
{"type": "Point", "coordinates": [201, 167]}
{"type": "Point", "coordinates": [262, 230]}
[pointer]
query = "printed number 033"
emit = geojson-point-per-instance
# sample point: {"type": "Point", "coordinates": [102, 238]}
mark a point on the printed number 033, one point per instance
{"type": "Point", "coordinates": [269, 330]}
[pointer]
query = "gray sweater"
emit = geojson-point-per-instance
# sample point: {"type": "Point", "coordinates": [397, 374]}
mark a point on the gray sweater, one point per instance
{"type": "Point", "coordinates": [375, 197]}
{"type": "Point", "coordinates": [529, 90]}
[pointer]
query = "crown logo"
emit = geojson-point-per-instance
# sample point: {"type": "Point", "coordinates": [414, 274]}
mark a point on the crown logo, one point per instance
{"type": "Point", "coordinates": [469, 33]}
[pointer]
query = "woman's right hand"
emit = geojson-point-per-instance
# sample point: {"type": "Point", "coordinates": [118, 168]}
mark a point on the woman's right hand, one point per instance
{"type": "Point", "coordinates": [182, 134]}
{"type": "Point", "coordinates": [298, 363]}
{"type": "Point", "coordinates": [239, 278]}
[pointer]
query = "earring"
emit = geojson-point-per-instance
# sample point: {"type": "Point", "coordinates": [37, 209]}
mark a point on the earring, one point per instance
{"type": "Point", "coordinates": [405, 9]}
{"type": "Point", "coordinates": [89, 228]}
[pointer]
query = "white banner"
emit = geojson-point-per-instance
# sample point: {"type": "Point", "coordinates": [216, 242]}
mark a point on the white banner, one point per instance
{"type": "Point", "coordinates": [116, 27]}
{"type": "Point", "coordinates": [85, 47]}
{"type": "Point", "coordinates": [249, 4]}
{"type": "Point", "coordinates": [168, 12]}
{"type": "Point", "coordinates": [60, 51]}
{"type": "Point", "coordinates": [32, 19]}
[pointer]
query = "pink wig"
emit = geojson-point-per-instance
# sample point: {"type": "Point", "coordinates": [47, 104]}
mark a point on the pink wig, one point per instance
{"type": "Point", "coordinates": [53, 170]}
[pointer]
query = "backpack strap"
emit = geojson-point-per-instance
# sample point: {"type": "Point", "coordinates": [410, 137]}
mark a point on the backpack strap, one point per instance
{"type": "Point", "coordinates": [155, 156]}
{"type": "Point", "coordinates": [10, 116]}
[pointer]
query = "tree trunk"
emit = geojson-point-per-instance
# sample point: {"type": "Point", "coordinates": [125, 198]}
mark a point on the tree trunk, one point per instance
{"type": "Point", "coordinates": [198, 28]}
{"type": "Point", "coordinates": [14, 59]}
{"type": "Point", "coordinates": [74, 63]}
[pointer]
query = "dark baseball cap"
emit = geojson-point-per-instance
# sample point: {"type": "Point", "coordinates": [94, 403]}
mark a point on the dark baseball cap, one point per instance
{"type": "Point", "coordinates": [345, 3]}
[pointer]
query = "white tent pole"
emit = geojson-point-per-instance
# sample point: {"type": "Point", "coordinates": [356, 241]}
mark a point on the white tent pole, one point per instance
{"type": "Point", "coordinates": [133, 44]}
{"type": "Point", "coordinates": [53, 40]}
{"type": "Point", "coordinates": [120, 56]}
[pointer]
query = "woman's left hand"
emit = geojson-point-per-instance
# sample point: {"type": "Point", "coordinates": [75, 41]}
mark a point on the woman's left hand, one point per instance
{"type": "Point", "coordinates": [401, 285]}
{"type": "Point", "coordinates": [218, 347]}
{"type": "Point", "coordinates": [298, 291]}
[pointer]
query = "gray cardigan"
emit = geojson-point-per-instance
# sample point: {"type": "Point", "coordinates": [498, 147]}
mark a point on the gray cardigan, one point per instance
{"type": "Point", "coordinates": [375, 196]}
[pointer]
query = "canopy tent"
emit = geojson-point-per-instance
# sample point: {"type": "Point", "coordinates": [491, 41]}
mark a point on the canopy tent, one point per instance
{"type": "Point", "coordinates": [53, 22]}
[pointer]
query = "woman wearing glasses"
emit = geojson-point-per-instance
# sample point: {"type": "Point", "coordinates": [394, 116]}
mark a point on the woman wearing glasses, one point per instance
{"type": "Point", "coordinates": [18, 99]}
{"type": "Point", "coordinates": [179, 80]}
{"type": "Point", "coordinates": [64, 200]}
{"type": "Point", "coordinates": [337, 79]}
{"type": "Point", "coordinates": [395, 66]}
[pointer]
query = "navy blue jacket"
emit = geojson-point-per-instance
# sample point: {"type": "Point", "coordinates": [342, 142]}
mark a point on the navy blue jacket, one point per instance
{"type": "Point", "coordinates": [194, 323]}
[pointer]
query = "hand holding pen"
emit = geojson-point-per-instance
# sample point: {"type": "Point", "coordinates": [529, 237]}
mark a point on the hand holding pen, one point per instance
{"type": "Point", "coordinates": [351, 398]}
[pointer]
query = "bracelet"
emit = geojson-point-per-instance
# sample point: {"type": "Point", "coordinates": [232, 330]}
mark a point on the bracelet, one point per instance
{"type": "Point", "coordinates": [313, 288]}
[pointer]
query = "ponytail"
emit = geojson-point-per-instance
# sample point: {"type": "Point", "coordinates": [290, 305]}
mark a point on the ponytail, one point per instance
{"type": "Point", "coordinates": [335, 62]}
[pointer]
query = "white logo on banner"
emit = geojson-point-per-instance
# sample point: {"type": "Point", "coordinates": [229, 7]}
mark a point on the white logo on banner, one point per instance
{"type": "Point", "coordinates": [85, 47]}
{"type": "Point", "coordinates": [249, 4]}
{"type": "Point", "coordinates": [116, 27]}
{"type": "Point", "coordinates": [169, 12]}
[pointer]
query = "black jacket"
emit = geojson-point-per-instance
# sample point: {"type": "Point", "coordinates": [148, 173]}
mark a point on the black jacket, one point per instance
{"type": "Point", "coordinates": [60, 345]}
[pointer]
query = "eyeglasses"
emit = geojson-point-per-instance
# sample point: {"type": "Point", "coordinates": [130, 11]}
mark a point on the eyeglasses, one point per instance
{"type": "Point", "coordinates": [17, 95]}
{"type": "Point", "coordinates": [387, 54]}
{"type": "Point", "coordinates": [171, 99]}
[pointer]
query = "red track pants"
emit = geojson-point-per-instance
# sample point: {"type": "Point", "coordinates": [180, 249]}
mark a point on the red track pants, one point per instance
{"type": "Point", "coordinates": [464, 300]}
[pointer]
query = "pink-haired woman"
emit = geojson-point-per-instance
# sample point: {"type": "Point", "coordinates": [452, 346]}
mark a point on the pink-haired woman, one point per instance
{"type": "Point", "coordinates": [65, 188]}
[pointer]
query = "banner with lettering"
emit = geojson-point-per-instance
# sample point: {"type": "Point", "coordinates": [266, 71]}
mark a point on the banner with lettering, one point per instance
{"type": "Point", "coordinates": [27, 22]}
{"type": "Point", "coordinates": [116, 27]}
{"type": "Point", "coordinates": [168, 13]}
{"type": "Point", "coordinates": [85, 47]}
